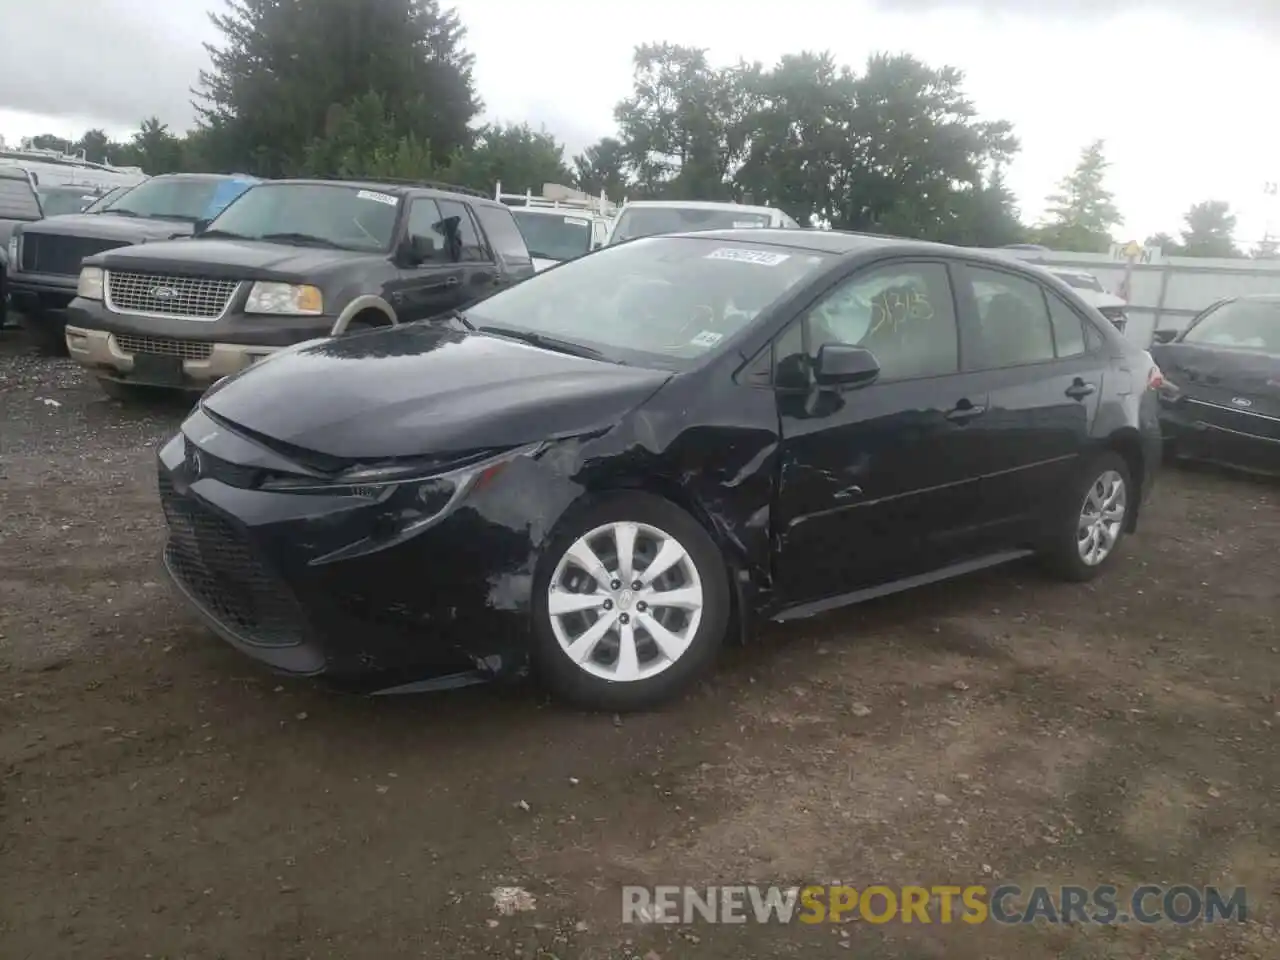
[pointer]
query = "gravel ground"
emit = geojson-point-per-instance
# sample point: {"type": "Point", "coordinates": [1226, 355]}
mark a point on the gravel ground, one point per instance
{"type": "Point", "coordinates": [162, 797]}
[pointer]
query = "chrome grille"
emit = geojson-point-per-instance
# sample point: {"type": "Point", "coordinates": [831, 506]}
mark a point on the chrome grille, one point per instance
{"type": "Point", "coordinates": [161, 295]}
{"type": "Point", "coordinates": [186, 349]}
{"type": "Point", "coordinates": [218, 565]}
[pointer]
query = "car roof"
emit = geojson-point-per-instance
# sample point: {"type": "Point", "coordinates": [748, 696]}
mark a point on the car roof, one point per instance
{"type": "Point", "coordinates": [399, 189]}
{"type": "Point", "coordinates": [816, 240]}
{"type": "Point", "coordinates": [13, 172]}
{"type": "Point", "coordinates": [700, 205]}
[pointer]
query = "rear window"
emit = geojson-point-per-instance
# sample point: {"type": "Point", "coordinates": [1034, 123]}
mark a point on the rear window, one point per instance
{"type": "Point", "coordinates": [651, 221]}
{"type": "Point", "coordinates": [17, 200]}
{"type": "Point", "coordinates": [508, 241]}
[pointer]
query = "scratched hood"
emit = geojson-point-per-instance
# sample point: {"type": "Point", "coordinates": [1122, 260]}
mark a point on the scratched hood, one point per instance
{"type": "Point", "coordinates": [425, 390]}
{"type": "Point", "coordinates": [1245, 379]}
{"type": "Point", "coordinates": [109, 226]}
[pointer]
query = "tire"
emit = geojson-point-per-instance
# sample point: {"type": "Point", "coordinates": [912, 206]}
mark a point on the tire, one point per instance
{"type": "Point", "coordinates": [693, 631]}
{"type": "Point", "coordinates": [1066, 552]}
{"type": "Point", "coordinates": [48, 331]}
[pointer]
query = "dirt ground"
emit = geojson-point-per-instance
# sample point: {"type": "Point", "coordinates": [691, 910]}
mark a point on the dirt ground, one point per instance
{"type": "Point", "coordinates": [160, 796]}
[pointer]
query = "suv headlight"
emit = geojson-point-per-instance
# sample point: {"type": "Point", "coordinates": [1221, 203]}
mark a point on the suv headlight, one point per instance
{"type": "Point", "coordinates": [13, 251]}
{"type": "Point", "coordinates": [285, 298]}
{"type": "Point", "coordinates": [90, 284]}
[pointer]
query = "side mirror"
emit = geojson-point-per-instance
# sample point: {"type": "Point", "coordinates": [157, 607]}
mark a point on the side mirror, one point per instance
{"type": "Point", "coordinates": [1164, 336]}
{"type": "Point", "coordinates": [417, 250]}
{"type": "Point", "coordinates": [840, 364]}
{"type": "Point", "coordinates": [201, 226]}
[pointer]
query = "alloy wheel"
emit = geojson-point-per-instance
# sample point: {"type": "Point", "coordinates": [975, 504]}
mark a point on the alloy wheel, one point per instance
{"type": "Point", "coordinates": [1101, 518]}
{"type": "Point", "coordinates": [625, 601]}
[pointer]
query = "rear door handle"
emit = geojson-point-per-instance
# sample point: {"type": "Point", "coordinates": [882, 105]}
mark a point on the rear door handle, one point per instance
{"type": "Point", "coordinates": [451, 281]}
{"type": "Point", "coordinates": [964, 411]}
{"type": "Point", "coordinates": [1079, 390]}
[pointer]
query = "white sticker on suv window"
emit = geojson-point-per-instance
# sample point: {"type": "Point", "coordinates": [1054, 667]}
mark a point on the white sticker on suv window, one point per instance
{"type": "Point", "coordinates": [378, 197]}
{"type": "Point", "coordinates": [707, 338]}
{"type": "Point", "coordinates": [577, 221]}
{"type": "Point", "coordinates": [741, 224]}
{"type": "Point", "coordinates": [765, 258]}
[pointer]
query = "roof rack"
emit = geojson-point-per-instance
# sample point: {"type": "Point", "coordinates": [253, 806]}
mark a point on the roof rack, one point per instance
{"type": "Point", "coordinates": [572, 200]}
{"type": "Point", "coordinates": [430, 185]}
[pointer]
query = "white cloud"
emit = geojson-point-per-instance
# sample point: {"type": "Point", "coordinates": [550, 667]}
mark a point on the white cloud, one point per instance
{"type": "Point", "coordinates": [1177, 89]}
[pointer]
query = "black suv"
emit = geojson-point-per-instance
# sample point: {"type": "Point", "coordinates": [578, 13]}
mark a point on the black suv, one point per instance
{"type": "Point", "coordinates": [290, 260]}
{"type": "Point", "coordinates": [19, 204]}
{"type": "Point", "coordinates": [46, 255]}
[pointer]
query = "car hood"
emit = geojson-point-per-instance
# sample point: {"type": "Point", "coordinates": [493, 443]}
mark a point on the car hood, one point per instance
{"type": "Point", "coordinates": [106, 226]}
{"type": "Point", "coordinates": [425, 390]}
{"type": "Point", "coordinates": [1220, 375]}
{"type": "Point", "coordinates": [238, 258]}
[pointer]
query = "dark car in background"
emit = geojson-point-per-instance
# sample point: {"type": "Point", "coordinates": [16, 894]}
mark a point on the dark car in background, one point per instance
{"type": "Point", "coordinates": [290, 260]}
{"type": "Point", "coordinates": [1221, 395]}
{"type": "Point", "coordinates": [597, 471]}
{"type": "Point", "coordinates": [45, 257]}
{"type": "Point", "coordinates": [58, 200]}
{"type": "Point", "coordinates": [19, 205]}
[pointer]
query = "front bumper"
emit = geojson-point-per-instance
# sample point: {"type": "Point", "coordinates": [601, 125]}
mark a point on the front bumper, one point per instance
{"type": "Point", "coordinates": [1199, 430]}
{"type": "Point", "coordinates": [196, 353]}
{"type": "Point", "coordinates": [447, 602]}
{"type": "Point", "coordinates": [49, 291]}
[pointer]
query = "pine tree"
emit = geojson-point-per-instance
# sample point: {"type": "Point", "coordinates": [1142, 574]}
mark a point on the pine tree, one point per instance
{"type": "Point", "coordinates": [1083, 211]}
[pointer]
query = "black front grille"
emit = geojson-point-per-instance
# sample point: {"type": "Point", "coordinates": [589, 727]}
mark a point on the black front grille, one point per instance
{"type": "Point", "coordinates": [216, 563]}
{"type": "Point", "coordinates": [52, 253]}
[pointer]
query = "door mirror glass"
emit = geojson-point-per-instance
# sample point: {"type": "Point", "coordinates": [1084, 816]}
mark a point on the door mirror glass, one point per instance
{"type": "Point", "coordinates": [419, 249]}
{"type": "Point", "coordinates": [1164, 336]}
{"type": "Point", "coordinates": [845, 365]}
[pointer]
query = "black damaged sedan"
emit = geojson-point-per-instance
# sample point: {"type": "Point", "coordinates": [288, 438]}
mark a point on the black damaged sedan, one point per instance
{"type": "Point", "coordinates": [604, 471]}
{"type": "Point", "coordinates": [1221, 396]}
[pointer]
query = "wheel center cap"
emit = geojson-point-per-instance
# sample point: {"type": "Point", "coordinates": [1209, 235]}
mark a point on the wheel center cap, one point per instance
{"type": "Point", "coordinates": [624, 600]}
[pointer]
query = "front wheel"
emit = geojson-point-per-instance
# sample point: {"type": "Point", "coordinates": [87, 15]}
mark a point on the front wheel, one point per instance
{"type": "Point", "coordinates": [1093, 520]}
{"type": "Point", "coordinates": [631, 604]}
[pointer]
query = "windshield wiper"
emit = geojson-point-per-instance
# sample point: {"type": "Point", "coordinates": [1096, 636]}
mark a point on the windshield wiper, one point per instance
{"type": "Point", "coordinates": [459, 316]}
{"type": "Point", "coordinates": [302, 238]}
{"type": "Point", "coordinates": [122, 213]}
{"type": "Point", "coordinates": [535, 339]}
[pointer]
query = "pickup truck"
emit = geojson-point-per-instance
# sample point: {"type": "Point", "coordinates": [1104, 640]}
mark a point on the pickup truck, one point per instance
{"type": "Point", "coordinates": [19, 204]}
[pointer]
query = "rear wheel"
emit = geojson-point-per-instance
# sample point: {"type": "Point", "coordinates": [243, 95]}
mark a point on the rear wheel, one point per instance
{"type": "Point", "coordinates": [1093, 520]}
{"type": "Point", "coordinates": [631, 604]}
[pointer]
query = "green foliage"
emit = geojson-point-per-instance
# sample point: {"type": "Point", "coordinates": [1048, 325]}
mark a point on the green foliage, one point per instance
{"type": "Point", "coordinates": [516, 156]}
{"type": "Point", "coordinates": [1083, 211]}
{"type": "Point", "coordinates": [603, 166]}
{"type": "Point", "coordinates": [1209, 230]}
{"type": "Point", "coordinates": [1165, 242]}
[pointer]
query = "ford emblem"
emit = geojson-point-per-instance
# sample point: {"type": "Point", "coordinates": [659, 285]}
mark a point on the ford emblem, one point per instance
{"type": "Point", "coordinates": [1241, 402]}
{"type": "Point", "coordinates": [163, 293]}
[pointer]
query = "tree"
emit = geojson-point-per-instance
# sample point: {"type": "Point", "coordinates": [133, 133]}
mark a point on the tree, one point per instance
{"type": "Point", "coordinates": [682, 124]}
{"type": "Point", "coordinates": [1083, 211]}
{"type": "Point", "coordinates": [282, 68]}
{"type": "Point", "coordinates": [1165, 242]}
{"type": "Point", "coordinates": [602, 166]}
{"type": "Point", "coordinates": [986, 215]}
{"type": "Point", "coordinates": [517, 156]}
{"type": "Point", "coordinates": [95, 144]}
{"type": "Point", "coordinates": [1210, 225]}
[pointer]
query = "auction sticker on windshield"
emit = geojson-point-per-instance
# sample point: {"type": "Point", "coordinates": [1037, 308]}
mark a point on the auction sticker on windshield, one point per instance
{"type": "Point", "coordinates": [707, 338]}
{"type": "Point", "coordinates": [764, 258]}
{"type": "Point", "coordinates": [577, 222]}
{"type": "Point", "coordinates": [377, 197]}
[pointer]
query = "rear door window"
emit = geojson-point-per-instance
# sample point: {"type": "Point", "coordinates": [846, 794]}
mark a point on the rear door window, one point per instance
{"type": "Point", "coordinates": [1014, 328]}
{"type": "Point", "coordinates": [473, 248]}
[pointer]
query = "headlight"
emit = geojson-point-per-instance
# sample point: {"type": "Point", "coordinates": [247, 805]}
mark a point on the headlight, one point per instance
{"type": "Point", "coordinates": [90, 284]}
{"type": "Point", "coordinates": [13, 251]}
{"type": "Point", "coordinates": [285, 298]}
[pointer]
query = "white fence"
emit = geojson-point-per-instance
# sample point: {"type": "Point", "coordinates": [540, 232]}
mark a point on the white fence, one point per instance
{"type": "Point", "coordinates": [1166, 292]}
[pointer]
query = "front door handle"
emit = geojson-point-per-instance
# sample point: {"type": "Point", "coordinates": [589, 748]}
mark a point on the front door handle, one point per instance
{"type": "Point", "coordinates": [451, 281]}
{"type": "Point", "coordinates": [965, 411]}
{"type": "Point", "coordinates": [1079, 390]}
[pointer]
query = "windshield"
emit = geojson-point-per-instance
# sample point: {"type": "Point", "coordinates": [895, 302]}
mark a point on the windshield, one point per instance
{"type": "Point", "coordinates": [663, 301]}
{"type": "Point", "coordinates": [17, 200]}
{"type": "Point", "coordinates": [553, 236]}
{"type": "Point", "coordinates": [60, 200]}
{"type": "Point", "coordinates": [105, 200]}
{"type": "Point", "coordinates": [335, 215]}
{"type": "Point", "coordinates": [650, 221]}
{"type": "Point", "coordinates": [1081, 281]}
{"type": "Point", "coordinates": [170, 198]}
{"type": "Point", "coordinates": [1240, 325]}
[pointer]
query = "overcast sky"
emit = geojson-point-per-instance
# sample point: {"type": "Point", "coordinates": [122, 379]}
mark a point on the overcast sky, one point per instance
{"type": "Point", "coordinates": [1182, 90]}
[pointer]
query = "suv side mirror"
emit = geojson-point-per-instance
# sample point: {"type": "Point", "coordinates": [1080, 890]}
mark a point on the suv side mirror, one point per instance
{"type": "Point", "coordinates": [1164, 336]}
{"type": "Point", "coordinates": [417, 250]}
{"type": "Point", "coordinates": [841, 364]}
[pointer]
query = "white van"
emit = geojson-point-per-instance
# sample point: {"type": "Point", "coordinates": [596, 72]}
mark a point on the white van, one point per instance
{"type": "Point", "coordinates": [647, 218]}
